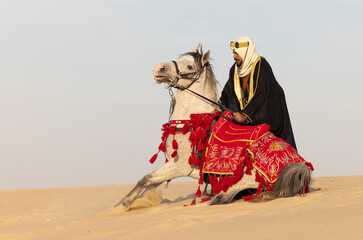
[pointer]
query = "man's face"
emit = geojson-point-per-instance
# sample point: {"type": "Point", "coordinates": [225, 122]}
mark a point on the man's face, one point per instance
{"type": "Point", "coordinates": [237, 58]}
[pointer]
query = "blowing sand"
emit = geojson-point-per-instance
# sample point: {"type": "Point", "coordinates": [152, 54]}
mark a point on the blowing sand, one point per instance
{"type": "Point", "coordinates": [333, 210]}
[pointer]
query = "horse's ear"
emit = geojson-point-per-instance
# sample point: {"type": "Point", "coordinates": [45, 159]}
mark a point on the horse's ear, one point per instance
{"type": "Point", "coordinates": [196, 48]}
{"type": "Point", "coordinates": [205, 58]}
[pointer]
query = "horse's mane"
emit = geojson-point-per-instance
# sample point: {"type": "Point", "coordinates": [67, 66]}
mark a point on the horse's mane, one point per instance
{"type": "Point", "coordinates": [208, 66]}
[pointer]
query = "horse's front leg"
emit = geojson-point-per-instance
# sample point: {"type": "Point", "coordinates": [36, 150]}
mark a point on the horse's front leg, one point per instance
{"type": "Point", "coordinates": [132, 195]}
{"type": "Point", "coordinates": [166, 172]}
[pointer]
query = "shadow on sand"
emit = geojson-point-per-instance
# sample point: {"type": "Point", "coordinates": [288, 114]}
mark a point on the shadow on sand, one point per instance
{"type": "Point", "coordinates": [180, 199]}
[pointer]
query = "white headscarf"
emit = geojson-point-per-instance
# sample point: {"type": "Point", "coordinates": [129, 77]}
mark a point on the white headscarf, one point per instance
{"type": "Point", "coordinates": [248, 54]}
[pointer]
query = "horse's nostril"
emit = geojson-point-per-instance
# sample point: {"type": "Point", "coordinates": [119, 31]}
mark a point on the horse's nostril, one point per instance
{"type": "Point", "coordinates": [162, 69]}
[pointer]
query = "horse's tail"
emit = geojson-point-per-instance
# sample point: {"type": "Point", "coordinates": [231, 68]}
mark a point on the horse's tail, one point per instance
{"type": "Point", "coordinates": [293, 180]}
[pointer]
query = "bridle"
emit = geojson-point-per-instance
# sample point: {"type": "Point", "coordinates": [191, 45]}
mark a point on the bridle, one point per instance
{"type": "Point", "coordinates": [174, 84]}
{"type": "Point", "coordinates": [187, 76]}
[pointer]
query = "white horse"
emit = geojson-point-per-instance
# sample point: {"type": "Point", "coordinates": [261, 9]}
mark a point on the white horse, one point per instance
{"type": "Point", "coordinates": [193, 71]}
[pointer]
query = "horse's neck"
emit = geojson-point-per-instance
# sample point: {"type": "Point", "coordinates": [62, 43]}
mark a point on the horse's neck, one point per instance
{"type": "Point", "coordinates": [187, 102]}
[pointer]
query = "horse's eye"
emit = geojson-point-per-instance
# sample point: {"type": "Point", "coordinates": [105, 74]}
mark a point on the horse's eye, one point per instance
{"type": "Point", "coordinates": [190, 67]}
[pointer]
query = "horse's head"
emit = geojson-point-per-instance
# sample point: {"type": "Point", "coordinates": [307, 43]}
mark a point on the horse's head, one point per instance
{"type": "Point", "coordinates": [188, 66]}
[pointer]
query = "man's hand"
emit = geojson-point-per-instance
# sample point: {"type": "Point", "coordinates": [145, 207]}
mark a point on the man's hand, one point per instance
{"type": "Point", "coordinates": [239, 117]}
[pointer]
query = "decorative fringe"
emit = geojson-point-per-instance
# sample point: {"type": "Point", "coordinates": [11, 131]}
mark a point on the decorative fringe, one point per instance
{"type": "Point", "coordinates": [200, 125]}
{"type": "Point", "coordinates": [172, 130]}
{"type": "Point", "coordinates": [249, 197]}
{"type": "Point", "coordinates": [263, 185]}
{"type": "Point", "coordinates": [193, 159]}
{"type": "Point", "coordinates": [213, 180]}
{"type": "Point", "coordinates": [307, 189]}
{"type": "Point", "coordinates": [201, 146]}
{"type": "Point", "coordinates": [186, 128]}
{"type": "Point", "coordinates": [192, 136]}
{"type": "Point", "coordinates": [309, 165]}
{"type": "Point", "coordinates": [175, 144]}
{"type": "Point", "coordinates": [205, 199]}
{"type": "Point", "coordinates": [262, 182]}
{"type": "Point", "coordinates": [248, 164]}
{"type": "Point", "coordinates": [153, 158]}
{"type": "Point", "coordinates": [198, 193]}
{"type": "Point", "coordinates": [162, 146]}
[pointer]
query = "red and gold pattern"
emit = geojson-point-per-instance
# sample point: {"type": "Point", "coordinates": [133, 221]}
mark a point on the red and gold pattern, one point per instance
{"type": "Point", "coordinates": [234, 150]}
{"type": "Point", "coordinates": [227, 145]}
{"type": "Point", "coordinates": [270, 154]}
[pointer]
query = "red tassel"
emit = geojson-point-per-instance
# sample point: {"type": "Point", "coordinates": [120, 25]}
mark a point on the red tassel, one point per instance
{"type": "Point", "coordinates": [175, 144]}
{"type": "Point", "coordinates": [259, 189]}
{"type": "Point", "coordinates": [262, 182]}
{"type": "Point", "coordinates": [198, 193]}
{"type": "Point", "coordinates": [225, 188]}
{"type": "Point", "coordinates": [213, 180]}
{"type": "Point", "coordinates": [269, 187]}
{"type": "Point", "coordinates": [307, 189]}
{"type": "Point", "coordinates": [192, 136]}
{"type": "Point", "coordinates": [173, 155]}
{"type": "Point", "coordinates": [193, 160]}
{"type": "Point", "coordinates": [199, 133]}
{"type": "Point", "coordinates": [310, 166]}
{"type": "Point", "coordinates": [217, 188]}
{"type": "Point", "coordinates": [165, 135]}
{"type": "Point", "coordinates": [172, 130]}
{"type": "Point", "coordinates": [257, 177]}
{"type": "Point", "coordinates": [249, 166]}
{"type": "Point", "coordinates": [193, 202]}
{"type": "Point", "coordinates": [201, 146]}
{"type": "Point", "coordinates": [162, 147]}
{"type": "Point", "coordinates": [202, 134]}
{"type": "Point", "coordinates": [190, 161]}
{"type": "Point", "coordinates": [185, 128]}
{"type": "Point", "coordinates": [166, 160]}
{"type": "Point", "coordinates": [152, 160]}
{"type": "Point", "coordinates": [249, 197]}
{"type": "Point", "coordinates": [206, 199]}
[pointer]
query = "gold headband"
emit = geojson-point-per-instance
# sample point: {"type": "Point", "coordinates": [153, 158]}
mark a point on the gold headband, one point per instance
{"type": "Point", "coordinates": [239, 45]}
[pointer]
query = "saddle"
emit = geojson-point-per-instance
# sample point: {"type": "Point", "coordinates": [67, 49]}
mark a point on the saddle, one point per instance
{"type": "Point", "coordinates": [234, 150]}
{"type": "Point", "coordinates": [226, 148]}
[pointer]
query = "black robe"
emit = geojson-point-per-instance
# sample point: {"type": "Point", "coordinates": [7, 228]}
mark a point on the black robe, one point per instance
{"type": "Point", "coordinates": [268, 105]}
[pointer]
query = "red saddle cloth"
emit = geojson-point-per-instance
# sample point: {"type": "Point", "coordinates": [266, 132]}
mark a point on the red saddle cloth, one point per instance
{"type": "Point", "coordinates": [227, 145]}
{"type": "Point", "coordinates": [270, 154]}
{"type": "Point", "coordinates": [235, 149]}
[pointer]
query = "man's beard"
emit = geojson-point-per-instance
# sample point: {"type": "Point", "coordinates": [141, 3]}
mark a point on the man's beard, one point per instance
{"type": "Point", "coordinates": [238, 64]}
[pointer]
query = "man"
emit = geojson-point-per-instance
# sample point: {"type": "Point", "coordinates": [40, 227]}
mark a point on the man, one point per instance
{"type": "Point", "coordinates": [253, 94]}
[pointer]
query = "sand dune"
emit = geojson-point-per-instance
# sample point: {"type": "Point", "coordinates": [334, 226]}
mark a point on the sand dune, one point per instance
{"type": "Point", "coordinates": [333, 210]}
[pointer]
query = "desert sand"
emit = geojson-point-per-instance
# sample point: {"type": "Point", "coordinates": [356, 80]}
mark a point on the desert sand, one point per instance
{"type": "Point", "coordinates": [333, 210]}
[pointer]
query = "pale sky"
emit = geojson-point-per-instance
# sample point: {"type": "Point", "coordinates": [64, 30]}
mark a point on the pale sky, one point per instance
{"type": "Point", "coordinates": [79, 105]}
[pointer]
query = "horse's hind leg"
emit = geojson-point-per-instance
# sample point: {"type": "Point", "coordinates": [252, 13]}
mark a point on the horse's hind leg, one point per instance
{"type": "Point", "coordinates": [247, 181]}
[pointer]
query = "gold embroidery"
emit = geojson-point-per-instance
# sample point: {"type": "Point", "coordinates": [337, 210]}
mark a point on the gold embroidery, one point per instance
{"type": "Point", "coordinates": [238, 140]}
{"type": "Point", "coordinates": [277, 146]}
{"type": "Point", "coordinates": [238, 129]}
{"type": "Point", "coordinates": [242, 133]}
